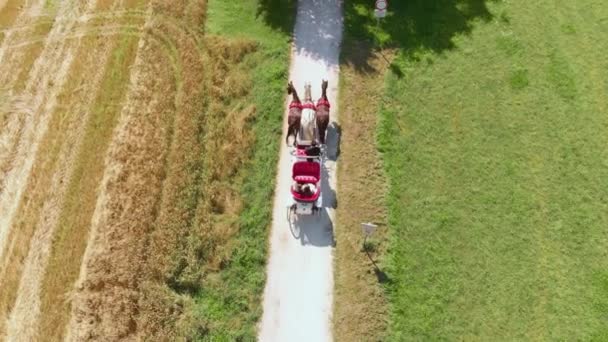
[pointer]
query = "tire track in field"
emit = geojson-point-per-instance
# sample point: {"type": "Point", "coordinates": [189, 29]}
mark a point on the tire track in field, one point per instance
{"type": "Point", "coordinates": [83, 32]}
{"type": "Point", "coordinates": [25, 128]}
{"type": "Point", "coordinates": [24, 319]}
{"type": "Point", "coordinates": [10, 137]}
{"type": "Point", "coordinates": [23, 26]}
{"type": "Point", "coordinates": [114, 258]}
{"type": "Point", "coordinates": [2, 4]}
{"type": "Point", "coordinates": [23, 21]}
{"type": "Point", "coordinates": [26, 24]}
{"type": "Point", "coordinates": [27, 125]}
{"type": "Point", "coordinates": [110, 277]}
{"type": "Point", "coordinates": [29, 286]}
{"type": "Point", "coordinates": [105, 29]}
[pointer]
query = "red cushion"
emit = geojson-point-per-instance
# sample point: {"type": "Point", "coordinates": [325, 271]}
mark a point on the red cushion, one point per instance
{"type": "Point", "coordinates": [305, 168]}
{"type": "Point", "coordinates": [306, 179]}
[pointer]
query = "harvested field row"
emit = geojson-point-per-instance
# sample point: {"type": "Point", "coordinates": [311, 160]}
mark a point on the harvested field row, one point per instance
{"type": "Point", "coordinates": [120, 196]}
{"type": "Point", "coordinates": [36, 219]}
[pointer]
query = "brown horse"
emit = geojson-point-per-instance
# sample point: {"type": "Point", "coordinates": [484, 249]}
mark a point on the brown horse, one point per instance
{"type": "Point", "coordinates": [323, 112]}
{"type": "Point", "coordinates": [295, 113]}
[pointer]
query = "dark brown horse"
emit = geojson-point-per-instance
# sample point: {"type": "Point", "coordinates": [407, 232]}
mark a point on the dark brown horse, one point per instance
{"type": "Point", "coordinates": [295, 113]}
{"type": "Point", "coordinates": [323, 112]}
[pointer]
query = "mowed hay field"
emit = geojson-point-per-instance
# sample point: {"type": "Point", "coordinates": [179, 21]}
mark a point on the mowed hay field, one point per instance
{"type": "Point", "coordinates": [493, 131]}
{"type": "Point", "coordinates": [135, 191]}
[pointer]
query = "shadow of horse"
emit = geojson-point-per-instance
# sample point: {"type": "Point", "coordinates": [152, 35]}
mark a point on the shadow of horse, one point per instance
{"type": "Point", "coordinates": [316, 230]}
{"type": "Point", "coordinates": [334, 134]}
{"type": "Point", "coordinates": [330, 199]}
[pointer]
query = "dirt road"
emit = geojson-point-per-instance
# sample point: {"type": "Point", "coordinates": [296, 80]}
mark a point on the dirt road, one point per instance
{"type": "Point", "coordinates": [298, 295]}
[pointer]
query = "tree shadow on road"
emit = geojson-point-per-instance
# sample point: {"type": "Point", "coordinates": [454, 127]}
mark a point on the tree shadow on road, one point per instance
{"type": "Point", "coordinates": [411, 26]}
{"type": "Point", "coordinates": [278, 14]}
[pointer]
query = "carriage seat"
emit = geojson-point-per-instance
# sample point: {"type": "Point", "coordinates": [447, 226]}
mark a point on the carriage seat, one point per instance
{"type": "Point", "coordinates": [306, 172]}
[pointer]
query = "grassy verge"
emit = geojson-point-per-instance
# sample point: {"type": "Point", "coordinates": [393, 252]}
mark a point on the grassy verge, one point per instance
{"type": "Point", "coordinates": [360, 304]}
{"type": "Point", "coordinates": [232, 300]}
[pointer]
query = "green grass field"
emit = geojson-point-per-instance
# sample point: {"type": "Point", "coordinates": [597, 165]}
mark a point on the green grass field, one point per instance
{"type": "Point", "coordinates": [494, 134]}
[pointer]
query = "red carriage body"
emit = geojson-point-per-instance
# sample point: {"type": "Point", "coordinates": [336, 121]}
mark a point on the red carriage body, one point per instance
{"type": "Point", "coordinates": [306, 172]}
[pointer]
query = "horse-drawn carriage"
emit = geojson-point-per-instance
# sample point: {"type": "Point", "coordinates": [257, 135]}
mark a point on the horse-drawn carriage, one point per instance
{"type": "Point", "coordinates": [306, 195]}
{"type": "Point", "coordinates": [308, 130]}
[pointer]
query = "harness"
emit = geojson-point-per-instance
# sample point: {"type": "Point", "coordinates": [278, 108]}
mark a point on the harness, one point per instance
{"type": "Point", "coordinates": [323, 102]}
{"type": "Point", "coordinates": [309, 106]}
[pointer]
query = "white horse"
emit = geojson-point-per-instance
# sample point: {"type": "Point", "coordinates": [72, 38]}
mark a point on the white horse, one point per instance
{"type": "Point", "coordinates": [308, 126]}
{"type": "Point", "coordinates": [308, 121]}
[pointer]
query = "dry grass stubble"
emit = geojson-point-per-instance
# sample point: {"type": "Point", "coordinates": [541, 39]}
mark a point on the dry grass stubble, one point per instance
{"type": "Point", "coordinates": [171, 170]}
{"type": "Point", "coordinates": [200, 203]}
{"type": "Point", "coordinates": [50, 176]}
{"type": "Point", "coordinates": [24, 131]}
{"type": "Point", "coordinates": [88, 72]}
{"type": "Point", "coordinates": [106, 302]}
{"type": "Point", "coordinates": [360, 309]}
{"type": "Point", "coordinates": [54, 60]}
{"type": "Point", "coordinates": [74, 222]}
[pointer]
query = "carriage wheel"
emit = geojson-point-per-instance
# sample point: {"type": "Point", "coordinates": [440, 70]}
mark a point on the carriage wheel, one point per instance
{"type": "Point", "coordinates": [292, 220]}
